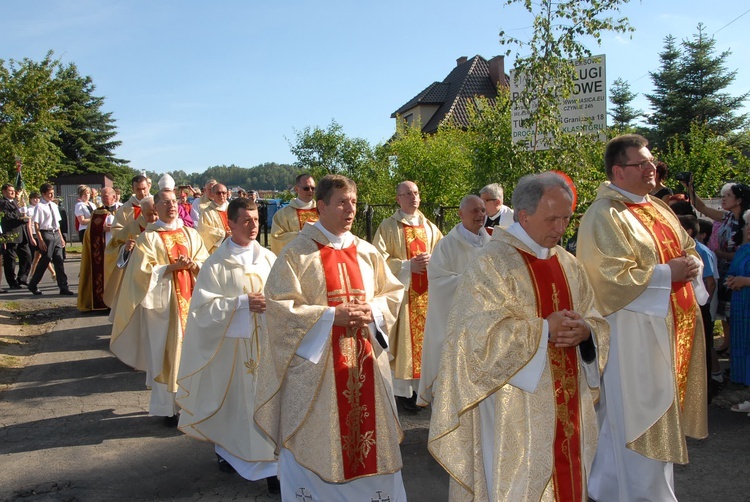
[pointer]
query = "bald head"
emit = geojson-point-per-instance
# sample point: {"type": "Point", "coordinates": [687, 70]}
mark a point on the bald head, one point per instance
{"type": "Point", "coordinates": [108, 196]}
{"type": "Point", "coordinates": [407, 197]}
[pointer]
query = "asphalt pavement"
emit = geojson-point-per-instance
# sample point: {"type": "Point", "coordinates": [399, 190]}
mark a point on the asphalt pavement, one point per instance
{"type": "Point", "coordinates": [75, 427]}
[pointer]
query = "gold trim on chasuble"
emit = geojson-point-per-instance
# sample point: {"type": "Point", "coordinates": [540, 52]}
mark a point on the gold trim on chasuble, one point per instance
{"type": "Point", "coordinates": [306, 216]}
{"type": "Point", "coordinates": [253, 283]}
{"type": "Point", "coordinates": [416, 244]}
{"type": "Point", "coordinates": [97, 243]}
{"type": "Point", "coordinates": [175, 243]}
{"type": "Point", "coordinates": [682, 298]}
{"type": "Point", "coordinates": [552, 295]}
{"type": "Point", "coordinates": [353, 365]}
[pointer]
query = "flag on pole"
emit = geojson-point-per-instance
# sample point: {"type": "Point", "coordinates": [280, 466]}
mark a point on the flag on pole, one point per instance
{"type": "Point", "coordinates": [20, 185]}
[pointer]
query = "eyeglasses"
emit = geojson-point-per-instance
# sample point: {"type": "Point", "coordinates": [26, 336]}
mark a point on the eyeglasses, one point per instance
{"type": "Point", "coordinates": [646, 164]}
{"type": "Point", "coordinates": [307, 189]}
{"type": "Point", "coordinates": [220, 193]}
{"type": "Point", "coordinates": [415, 194]}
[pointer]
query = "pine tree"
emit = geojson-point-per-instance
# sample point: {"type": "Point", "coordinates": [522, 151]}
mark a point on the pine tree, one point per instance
{"type": "Point", "coordinates": [86, 140]}
{"type": "Point", "coordinates": [689, 87]}
{"type": "Point", "coordinates": [623, 113]}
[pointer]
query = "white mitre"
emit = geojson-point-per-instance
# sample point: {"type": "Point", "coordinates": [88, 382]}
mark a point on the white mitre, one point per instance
{"type": "Point", "coordinates": [167, 182]}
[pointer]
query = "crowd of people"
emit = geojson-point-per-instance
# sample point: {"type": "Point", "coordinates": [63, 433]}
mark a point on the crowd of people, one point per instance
{"type": "Point", "coordinates": [550, 376]}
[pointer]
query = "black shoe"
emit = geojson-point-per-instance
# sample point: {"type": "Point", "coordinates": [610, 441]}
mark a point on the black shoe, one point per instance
{"type": "Point", "coordinates": [2, 291]}
{"type": "Point", "coordinates": [274, 487]}
{"type": "Point", "coordinates": [409, 403]}
{"type": "Point", "coordinates": [224, 466]}
{"type": "Point", "coordinates": [172, 421]}
{"type": "Point", "coordinates": [35, 291]}
{"type": "Point", "coordinates": [15, 286]}
{"type": "Point", "coordinates": [66, 292]}
{"type": "Point", "coordinates": [23, 283]}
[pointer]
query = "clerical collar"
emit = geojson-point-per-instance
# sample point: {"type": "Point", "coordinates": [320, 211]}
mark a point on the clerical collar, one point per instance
{"type": "Point", "coordinates": [638, 199]}
{"type": "Point", "coordinates": [496, 215]}
{"type": "Point", "coordinates": [244, 254]}
{"type": "Point", "coordinates": [305, 205]}
{"type": "Point", "coordinates": [476, 240]}
{"type": "Point", "coordinates": [222, 207]}
{"type": "Point", "coordinates": [337, 241]}
{"type": "Point", "coordinates": [518, 231]}
{"type": "Point", "coordinates": [412, 219]}
{"type": "Point", "coordinates": [177, 223]}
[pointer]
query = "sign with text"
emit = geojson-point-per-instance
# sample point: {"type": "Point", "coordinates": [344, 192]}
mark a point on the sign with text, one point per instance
{"type": "Point", "coordinates": [585, 110]}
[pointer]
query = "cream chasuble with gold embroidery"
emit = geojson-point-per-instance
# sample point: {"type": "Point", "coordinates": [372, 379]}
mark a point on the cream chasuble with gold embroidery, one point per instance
{"type": "Point", "coordinates": [495, 415]}
{"type": "Point", "coordinates": [300, 401]}
{"type": "Point", "coordinates": [151, 308]}
{"type": "Point", "coordinates": [288, 221]}
{"type": "Point", "coordinates": [213, 226]}
{"type": "Point", "coordinates": [399, 238]}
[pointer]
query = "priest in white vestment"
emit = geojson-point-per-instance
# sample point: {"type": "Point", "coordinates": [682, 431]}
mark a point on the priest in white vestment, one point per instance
{"type": "Point", "coordinates": [647, 278]}
{"type": "Point", "coordinates": [513, 413]}
{"type": "Point", "coordinates": [152, 305]}
{"type": "Point", "coordinates": [451, 257]}
{"type": "Point", "coordinates": [221, 351]}
{"type": "Point", "coordinates": [324, 391]}
{"type": "Point", "coordinates": [131, 209]}
{"type": "Point", "coordinates": [290, 219]}
{"type": "Point", "coordinates": [213, 225]}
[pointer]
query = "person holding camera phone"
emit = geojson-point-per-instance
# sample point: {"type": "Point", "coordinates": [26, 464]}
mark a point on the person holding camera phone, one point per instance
{"type": "Point", "coordinates": [735, 200]}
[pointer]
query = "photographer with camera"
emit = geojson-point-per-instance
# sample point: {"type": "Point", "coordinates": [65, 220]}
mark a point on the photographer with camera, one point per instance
{"type": "Point", "coordinates": [735, 200]}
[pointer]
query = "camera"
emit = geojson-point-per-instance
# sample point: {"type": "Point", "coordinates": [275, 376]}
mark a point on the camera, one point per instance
{"type": "Point", "coordinates": [685, 176]}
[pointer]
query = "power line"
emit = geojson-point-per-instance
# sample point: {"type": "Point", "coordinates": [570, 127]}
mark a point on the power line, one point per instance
{"type": "Point", "coordinates": [730, 22]}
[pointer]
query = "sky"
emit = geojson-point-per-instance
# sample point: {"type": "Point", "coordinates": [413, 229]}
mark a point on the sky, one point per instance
{"type": "Point", "coordinates": [194, 84]}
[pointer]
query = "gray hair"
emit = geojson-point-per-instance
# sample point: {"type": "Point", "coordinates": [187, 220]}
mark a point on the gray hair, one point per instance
{"type": "Point", "coordinates": [746, 217]}
{"type": "Point", "coordinates": [494, 190]}
{"type": "Point", "coordinates": [465, 201]}
{"type": "Point", "coordinates": [531, 188]}
{"type": "Point", "coordinates": [147, 202]}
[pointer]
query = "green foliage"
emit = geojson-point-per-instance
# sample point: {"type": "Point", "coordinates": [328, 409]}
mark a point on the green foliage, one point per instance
{"type": "Point", "coordinates": [711, 159]}
{"type": "Point", "coordinates": [623, 115]}
{"type": "Point", "coordinates": [560, 28]}
{"type": "Point", "coordinates": [690, 86]}
{"type": "Point", "coordinates": [29, 119]}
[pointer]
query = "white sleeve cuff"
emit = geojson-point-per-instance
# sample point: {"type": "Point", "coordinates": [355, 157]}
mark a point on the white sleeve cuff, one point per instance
{"type": "Point", "coordinates": [314, 342]}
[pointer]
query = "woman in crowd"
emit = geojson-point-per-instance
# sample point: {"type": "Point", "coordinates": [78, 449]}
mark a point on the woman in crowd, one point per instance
{"type": "Point", "coordinates": [84, 208]}
{"type": "Point", "coordinates": [738, 281]}
{"type": "Point", "coordinates": [661, 191]}
{"type": "Point", "coordinates": [735, 200]}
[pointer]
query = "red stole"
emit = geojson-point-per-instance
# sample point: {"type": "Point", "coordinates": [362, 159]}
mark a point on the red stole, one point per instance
{"type": "Point", "coordinates": [682, 299]}
{"type": "Point", "coordinates": [176, 244]}
{"type": "Point", "coordinates": [306, 215]}
{"type": "Point", "coordinates": [353, 366]}
{"type": "Point", "coordinates": [224, 221]}
{"type": "Point", "coordinates": [416, 244]}
{"type": "Point", "coordinates": [552, 295]}
{"type": "Point", "coordinates": [136, 211]}
{"type": "Point", "coordinates": [97, 244]}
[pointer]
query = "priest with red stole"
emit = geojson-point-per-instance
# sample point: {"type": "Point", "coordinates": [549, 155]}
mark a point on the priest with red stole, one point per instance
{"type": "Point", "coordinates": [131, 210]}
{"type": "Point", "coordinates": [213, 225]}
{"type": "Point", "coordinates": [152, 306]}
{"type": "Point", "coordinates": [290, 219]}
{"type": "Point", "coordinates": [406, 241]}
{"type": "Point", "coordinates": [93, 269]}
{"type": "Point", "coordinates": [324, 392]}
{"type": "Point", "coordinates": [647, 277]}
{"type": "Point", "coordinates": [513, 412]}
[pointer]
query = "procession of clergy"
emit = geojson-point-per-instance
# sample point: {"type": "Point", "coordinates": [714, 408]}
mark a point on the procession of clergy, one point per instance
{"type": "Point", "coordinates": [550, 377]}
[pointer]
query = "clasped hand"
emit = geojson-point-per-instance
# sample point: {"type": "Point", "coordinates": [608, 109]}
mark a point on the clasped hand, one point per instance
{"type": "Point", "coordinates": [567, 328]}
{"type": "Point", "coordinates": [354, 314]}
{"type": "Point", "coordinates": [684, 268]}
{"type": "Point", "coordinates": [257, 302]}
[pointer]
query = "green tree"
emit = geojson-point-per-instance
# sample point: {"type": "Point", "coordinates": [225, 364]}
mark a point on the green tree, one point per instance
{"type": "Point", "coordinates": [624, 114]}
{"type": "Point", "coordinates": [87, 138]}
{"type": "Point", "coordinates": [561, 31]}
{"type": "Point", "coordinates": [691, 86]}
{"type": "Point", "coordinates": [29, 119]}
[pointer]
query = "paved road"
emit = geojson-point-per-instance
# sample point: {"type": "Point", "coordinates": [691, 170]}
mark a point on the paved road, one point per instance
{"type": "Point", "coordinates": [75, 428]}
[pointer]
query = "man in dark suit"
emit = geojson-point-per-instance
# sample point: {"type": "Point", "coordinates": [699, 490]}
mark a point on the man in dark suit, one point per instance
{"type": "Point", "coordinates": [17, 245]}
